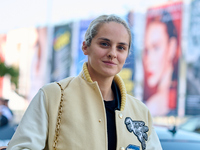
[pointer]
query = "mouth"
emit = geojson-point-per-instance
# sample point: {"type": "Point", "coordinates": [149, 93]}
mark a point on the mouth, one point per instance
{"type": "Point", "coordinates": [109, 63]}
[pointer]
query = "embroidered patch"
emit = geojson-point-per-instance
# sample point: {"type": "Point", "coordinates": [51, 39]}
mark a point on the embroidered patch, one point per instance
{"type": "Point", "coordinates": [139, 129]}
{"type": "Point", "coordinates": [132, 147]}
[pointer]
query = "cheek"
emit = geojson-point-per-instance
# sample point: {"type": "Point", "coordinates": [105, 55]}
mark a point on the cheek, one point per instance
{"type": "Point", "coordinates": [163, 57]}
{"type": "Point", "coordinates": [99, 52]}
{"type": "Point", "coordinates": [122, 58]}
{"type": "Point", "coordinates": [163, 48]}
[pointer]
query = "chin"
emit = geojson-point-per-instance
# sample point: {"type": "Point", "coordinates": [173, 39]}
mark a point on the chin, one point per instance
{"type": "Point", "coordinates": [110, 72]}
{"type": "Point", "coordinates": [151, 82]}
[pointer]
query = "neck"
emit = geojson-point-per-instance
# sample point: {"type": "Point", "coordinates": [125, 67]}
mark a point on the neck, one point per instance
{"type": "Point", "coordinates": [86, 76]}
{"type": "Point", "coordinates": [105, 87]}
{"type": "Point", "coordinates": [104, 83]}
{"type": "Point", "coordinates": [106, 90]}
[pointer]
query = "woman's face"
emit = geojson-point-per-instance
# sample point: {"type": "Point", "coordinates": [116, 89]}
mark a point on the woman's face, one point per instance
{"type": "Point", "coordinates": [108, 50]}
{"type": "Point", "coordinates": [155, 57]}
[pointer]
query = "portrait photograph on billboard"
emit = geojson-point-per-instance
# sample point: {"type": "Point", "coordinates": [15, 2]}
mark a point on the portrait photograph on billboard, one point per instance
{"type": "Point", "coordinates": [160, 58]}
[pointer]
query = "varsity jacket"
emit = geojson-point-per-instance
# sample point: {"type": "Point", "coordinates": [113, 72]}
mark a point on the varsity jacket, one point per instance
{"type": "Point", "coordinates": [71, 115]}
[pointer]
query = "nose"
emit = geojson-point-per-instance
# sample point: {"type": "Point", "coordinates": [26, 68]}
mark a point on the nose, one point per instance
{"type": "Point", "coordinates": [112, 53]}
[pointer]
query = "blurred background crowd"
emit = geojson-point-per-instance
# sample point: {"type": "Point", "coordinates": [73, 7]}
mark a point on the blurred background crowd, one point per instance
{"type": "Point", "coordinates": [40, 42]}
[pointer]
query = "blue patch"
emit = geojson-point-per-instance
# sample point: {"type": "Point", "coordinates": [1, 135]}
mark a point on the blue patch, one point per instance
{"type": "Point", "coordinates": [132, 147]}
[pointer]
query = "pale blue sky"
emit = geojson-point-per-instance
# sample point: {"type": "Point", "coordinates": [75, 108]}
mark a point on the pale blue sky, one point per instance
{"type": "Point", "coordinates": [25, 13]}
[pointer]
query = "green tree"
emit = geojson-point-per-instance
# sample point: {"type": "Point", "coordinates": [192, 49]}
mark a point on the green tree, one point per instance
{"type": "Point", "coordinates": [13, 72]}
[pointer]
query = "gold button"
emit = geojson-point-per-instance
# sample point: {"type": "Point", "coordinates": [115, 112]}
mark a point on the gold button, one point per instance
{"type": "Point", "coordinates": [99, 120]}
{"type": "Point", "coordinates": [122, 148]}
{"type": "Point", "coordinates": [120, 116]}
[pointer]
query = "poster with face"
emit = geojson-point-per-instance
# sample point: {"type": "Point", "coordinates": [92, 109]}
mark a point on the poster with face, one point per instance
{"type": "Point", "coordinates": [160, 58]}
{"type": "Point", "coordinates": [61, 57]}
{"type": "Point", "coordinates": [192, 106]}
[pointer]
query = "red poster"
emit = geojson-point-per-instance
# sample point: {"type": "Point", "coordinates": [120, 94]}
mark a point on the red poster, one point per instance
{"type": "Point", "coordinates": [2, 45]}
{"type": "Point", "coordinates": [160, 58]}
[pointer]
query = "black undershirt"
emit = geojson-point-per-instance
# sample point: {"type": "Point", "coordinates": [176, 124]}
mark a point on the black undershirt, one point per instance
{"type": "Point", "coordinates": [110, 107]}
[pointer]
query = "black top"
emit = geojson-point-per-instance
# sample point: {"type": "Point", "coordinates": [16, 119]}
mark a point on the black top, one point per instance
{"type": "Point", "coordinates": [110, 107]}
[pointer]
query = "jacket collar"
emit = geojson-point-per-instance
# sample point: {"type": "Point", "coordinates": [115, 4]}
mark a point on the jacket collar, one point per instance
{"type": "Point", "coordinates": [118, 80]}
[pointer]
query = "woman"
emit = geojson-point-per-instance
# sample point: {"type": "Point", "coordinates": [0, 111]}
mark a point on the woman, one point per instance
{"type": "Point", "coordinates": [160, 60]}
{"type": "Point", "coordinates": [92, 110]}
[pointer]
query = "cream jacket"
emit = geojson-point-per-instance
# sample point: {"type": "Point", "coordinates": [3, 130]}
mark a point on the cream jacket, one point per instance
{"type": "Point", "coordinates": [83, 119]}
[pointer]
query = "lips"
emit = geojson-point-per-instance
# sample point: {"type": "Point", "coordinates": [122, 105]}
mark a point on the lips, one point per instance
{"type": "Point", "coordinates": [109, 63]}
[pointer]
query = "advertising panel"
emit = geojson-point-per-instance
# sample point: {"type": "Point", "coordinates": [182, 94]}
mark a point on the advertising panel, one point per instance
{"type": "Point", "coordinates": [160, 58]}
{"type": "Point", "coordinates": [193, 61]}
{"type": "Point", "coordinates": [61, 57]}
{"type": "Point", "coordinates": [128, 71]}
{"type": "Point", "coordinates": [84, 24]}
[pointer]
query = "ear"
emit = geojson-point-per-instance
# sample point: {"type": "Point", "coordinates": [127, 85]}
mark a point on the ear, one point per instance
{"type": "Point", "coordinates": [84, 48]}
{"type": "Point", "coordinates": [172, 48]}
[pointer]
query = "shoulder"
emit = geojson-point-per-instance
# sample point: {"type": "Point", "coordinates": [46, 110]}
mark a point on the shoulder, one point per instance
{"type": "Point", "coordinates": [136, 103]}
{"type": "Point", "coordinates": [52, 91]}
{"type": "Point", "coordinates": [53, 85]}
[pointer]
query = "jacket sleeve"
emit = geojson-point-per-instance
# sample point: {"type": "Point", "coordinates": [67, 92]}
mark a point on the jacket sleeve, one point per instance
{"type": "Point", "coordinates": [153, 142]}
{"type": "Point", "coordinates": [33, 127]}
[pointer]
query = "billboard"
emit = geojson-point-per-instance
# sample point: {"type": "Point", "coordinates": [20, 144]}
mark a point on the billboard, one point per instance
{"type": "Point", "coordinates": [61, 57]}
{"type": "Point", "coordinates": [84, 24]}
{"type": "Point", "coordinates": [192, 106]}
{"type": "Point", "coordinates": [128, 71]}
{"type": "Point", "coordinates": [160, 58]}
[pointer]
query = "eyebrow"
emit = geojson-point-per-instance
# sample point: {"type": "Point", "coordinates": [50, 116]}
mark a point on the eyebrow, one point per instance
{"type": "Point", "coordinates": [105, 39]}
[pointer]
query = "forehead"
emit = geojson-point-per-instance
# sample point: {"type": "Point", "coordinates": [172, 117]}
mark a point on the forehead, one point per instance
{"type": "Point", "coordinates": [156, 31]}
{"type": "Point", "coordinates": [157, 27]}
{"type": "Point", "coordinates": [113, 29]}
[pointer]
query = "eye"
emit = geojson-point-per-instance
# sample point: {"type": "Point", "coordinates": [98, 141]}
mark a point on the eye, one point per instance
{"type": "Point", "coordinates": [104, 44]}
{"type": "Point", "coordinates": [121, 47]}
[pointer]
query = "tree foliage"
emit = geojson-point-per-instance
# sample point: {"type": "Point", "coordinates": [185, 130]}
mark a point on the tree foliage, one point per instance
{"type": "Point", "coordinates": [13, 72]}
